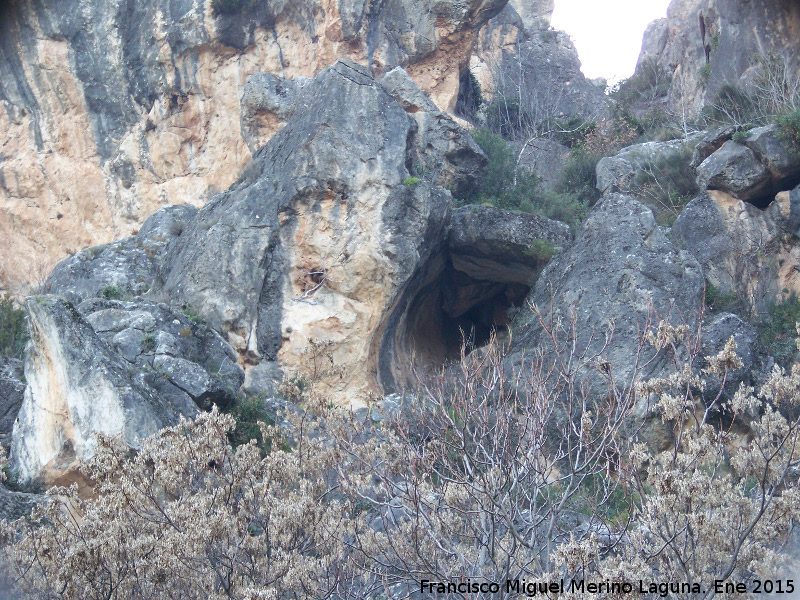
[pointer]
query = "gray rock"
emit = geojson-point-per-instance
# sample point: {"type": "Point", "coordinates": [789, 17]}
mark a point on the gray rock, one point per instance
{"type": "Point", "coordinates": [776, 153]}
{"type": "Point", "coordinates": [264, 379]}
{"type": "Point", "coordinates": [12, 389]}
{"type": "Point", "coordinates": [501, 245]}
{"type": "Point", "coordinates": [267, 98]}
{"type": "Point", "coordinates": [737, 245]}
{"type": "Point", "coordinates": [77, 389]}
{"type": "Point", "coordinates": [711, 142]}
{"type": "Point", "coordinates": [130, 343]}
{"type": "Point", "coordinates": [735, 169]}
{"type": "Point", "coordinates": [717, 330]}
{"type": "Point", "coordinates": [440, 149]}
{"type": "Point", "coordinates": [190, 355]}
{"type": "Point", "coordinates": [237, 258]}
{"type": "Point", "coordinates": [122, 268]}
{"type": "Point", "coordinates": [539, 67]}
{"type": "Point", "coordinates": [621, 273]}
{"type": "Point", "coordinates": [619, 173]}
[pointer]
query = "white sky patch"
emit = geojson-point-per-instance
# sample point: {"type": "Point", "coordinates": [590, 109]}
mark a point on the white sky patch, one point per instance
{"type": "Point", "coordinates": [607, 33]}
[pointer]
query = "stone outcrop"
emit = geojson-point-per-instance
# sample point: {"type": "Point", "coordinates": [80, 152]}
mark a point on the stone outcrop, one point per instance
{"type": "Point", "coordinates": [734, 169]}
{"type": "Point", "coordinates": [744, 250]}
{"type": "Point", "coordinates": [314, 244]}
{"type": "Point", "coordinates": [737, 33]}
{"type": "Point", "coordinates": [112, 110]}
{"type": "Point", "coordinates": [501, 245]}
{"type": "Point", "coordinates": [125, 268]}
{"type": "Point", "coordinates": [78, 387]}
{"type": "Point", "coordinates": [622, 172]}
{"type": "Point", "coordinates": [763, 164]}
{"type": "Point", "coordinates": [620, 276]}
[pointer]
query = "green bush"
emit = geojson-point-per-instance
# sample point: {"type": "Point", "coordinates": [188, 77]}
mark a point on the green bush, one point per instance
{"type": "Point", "coordinates": [574, 131]}
{"type": "Point", "coordinates": [248, 412]}
{"type": "Point", "coordinates": [111, 292]}
{"type": "Point", "coordinates": [790, 127]}
{"type": "Point", "coordinates": [777, 328]}
{"type": "Point", "coordinates": [579, 177]}
{"type": "Point", "coordinates": [411, 181]}
{"type": "Point", "coordinates": [512, 188]}
{"type": "Point", "coordinates": [13, 329]}
{"type": "Point", "coordinates": [719, 301]}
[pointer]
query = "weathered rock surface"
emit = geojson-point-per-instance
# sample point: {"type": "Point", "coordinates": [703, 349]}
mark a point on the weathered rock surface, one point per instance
{"type": "Point", "coordinates": [515, 51]}
{"type": "Point", "coordinates": [314, 243]}
{"type": "Point", "coordinates": [737, 33]}
{"type": "Point", "coordinates": [123, 268]}
{"type": "Point", "coordinates": [734, 169]}
{"type": "Point", "coordinates": [620, 173]}
{"type": "Point", "coordinates": [113, 109]}
{"type": "Point", "coordinates": [154, 337]}
{"type": "Point", "coordinates": [77, 388]}
{"type": "Point", "coordinates": [746, 251]}
{"type": "Point", "coordinates": [12, 389]}
{"type": "Point", "coordinates": [776, 153]}
{"type": "Point", "coordinates": [711, 142]}
{"type": "Point", "coordinates": [500, 245]}
{"type": "Point", "coordinates": [621, 275]}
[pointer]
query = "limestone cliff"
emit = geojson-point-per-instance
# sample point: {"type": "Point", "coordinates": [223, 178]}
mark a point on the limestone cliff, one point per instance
{"type": "Point", "coordinates": [736, 35]}
{"type": "Point", "coordinates": [113, 109]}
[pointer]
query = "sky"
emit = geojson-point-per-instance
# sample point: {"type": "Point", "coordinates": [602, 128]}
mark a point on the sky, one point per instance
{"type": "Point", "coordinates": [607, 33]}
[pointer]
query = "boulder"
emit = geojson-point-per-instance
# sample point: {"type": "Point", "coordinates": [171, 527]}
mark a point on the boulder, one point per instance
{"type": "Point", "coordinates": [78, 388]}
{"type": "Point", "coordinates": [736, 170]}
{"type": "Point", "coordinates": [315, 244]}
{"type": "Point", "coordinates": [711, 142]}
{"type": "Point", "coordinates": [619, 278]}
{"type": "Point", "coordinates": [12, 389]}
{"type": "Point", "coordinates": [622, 172]}
{"type": "Point", "coordinates": [776, 153]}
{"type": "Point", "coordinates": [440, 149]}
{"type": "Point", "coordinates": [122, 268]}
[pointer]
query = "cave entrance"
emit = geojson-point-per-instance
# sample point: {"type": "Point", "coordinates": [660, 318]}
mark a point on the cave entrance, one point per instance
{"type": "Point", "coordinates": [461, 307]}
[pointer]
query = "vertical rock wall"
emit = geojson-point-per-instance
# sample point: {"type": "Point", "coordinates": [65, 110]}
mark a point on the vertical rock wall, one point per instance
{"type": "Point", "coordinates": [112, 109]}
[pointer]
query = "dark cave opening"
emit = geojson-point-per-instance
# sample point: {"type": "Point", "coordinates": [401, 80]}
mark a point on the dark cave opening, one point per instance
{"type": "Point", "coordinates": [458, 309]}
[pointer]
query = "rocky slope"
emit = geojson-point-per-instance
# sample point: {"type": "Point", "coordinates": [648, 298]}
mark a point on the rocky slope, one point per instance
{"type": "Point", "coordinates": [113, 109]}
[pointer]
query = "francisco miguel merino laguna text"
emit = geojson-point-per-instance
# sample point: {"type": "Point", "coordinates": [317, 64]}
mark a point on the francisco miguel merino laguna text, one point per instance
{"type": "Point", "coordinates": [532, 588]}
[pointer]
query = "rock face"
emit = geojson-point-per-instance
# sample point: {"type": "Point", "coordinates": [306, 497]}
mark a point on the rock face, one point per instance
{"type": "Point", "coordinates": [621, 275]}
{"type": "Point", "coordinates": [314, 245]}
{"type": "Point", "coordinates": [123, 268]}
{"type": "Point", "coordinates": [78, 387]}
{"type": "Point", "coordinates": [735, 169]}
{"type": "Point", "coordinates": [736, 32]}
{"type": "Point", "coordinates": [619, 173]}
{"type": "Point", "coordinates": [113, 109]}
{"type": "Point", "coordinates": [513, 50]}
{"type": "Point", "coordinates": [754, 170]}
{"type": "Point", "coordinates": [746, 251]}
{"type": "Point", "coordinates": [501, 245]}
